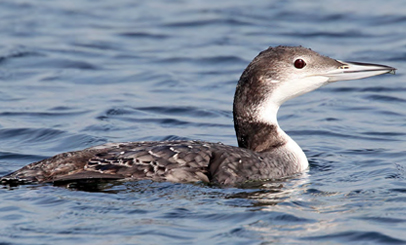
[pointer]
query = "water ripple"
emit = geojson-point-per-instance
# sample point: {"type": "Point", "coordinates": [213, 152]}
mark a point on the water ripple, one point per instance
{"type": "Point", "coordinates": [356, 237]}
{"type": "Point", "coordinates": [146, 35]}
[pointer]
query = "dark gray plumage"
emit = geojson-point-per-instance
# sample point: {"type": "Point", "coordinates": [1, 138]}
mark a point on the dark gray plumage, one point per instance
{"type": "Point", "coordinates": [176, 161]}
{"type": "Point", "coordinates": [265, 151]}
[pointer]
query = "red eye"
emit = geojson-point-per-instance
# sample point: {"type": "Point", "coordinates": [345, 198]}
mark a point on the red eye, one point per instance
{"type": "Point", "coordinates": [299, 63]}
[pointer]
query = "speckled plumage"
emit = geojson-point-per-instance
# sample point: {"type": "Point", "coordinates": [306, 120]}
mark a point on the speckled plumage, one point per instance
{"type": "Point", "coordinates": [176, 161]}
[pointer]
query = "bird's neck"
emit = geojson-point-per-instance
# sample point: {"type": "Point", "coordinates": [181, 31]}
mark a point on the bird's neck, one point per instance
{"type": "Point", "coordinates": [255, 120]}
{"type": "Point", "coordinates": [256, 132]}
{"type": "Point", "coordinates": [256, 125]}
{"type": "Point", "coordinates": [263, 135]}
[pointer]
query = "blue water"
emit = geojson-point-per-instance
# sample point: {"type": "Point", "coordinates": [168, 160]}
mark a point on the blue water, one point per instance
{"type": "Point", "coordinates": [74, 74]}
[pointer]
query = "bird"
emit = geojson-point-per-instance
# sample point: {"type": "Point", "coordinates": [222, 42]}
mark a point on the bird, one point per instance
{"type": "Point", "coordinates": [264, 152]}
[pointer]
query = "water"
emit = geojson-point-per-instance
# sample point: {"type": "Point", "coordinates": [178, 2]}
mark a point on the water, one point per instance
{"type": "Point", "coordinates": [80, 73]}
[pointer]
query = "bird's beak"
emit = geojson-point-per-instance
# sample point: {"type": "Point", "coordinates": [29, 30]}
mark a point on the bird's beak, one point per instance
{"type": "Point", "coordinates": [356, 70]}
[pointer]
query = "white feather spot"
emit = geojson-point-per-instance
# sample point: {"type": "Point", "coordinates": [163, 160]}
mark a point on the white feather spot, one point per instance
{"type": "Point", "coordinates": [153, 154]}
{"type": "Point", "coordinates": [273, 81]}
{"type": "Point", "coordinates": [173, 149]}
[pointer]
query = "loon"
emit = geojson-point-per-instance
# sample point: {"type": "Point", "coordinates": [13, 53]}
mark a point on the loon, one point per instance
{"type": "Point", "coordinates": [264, 152]}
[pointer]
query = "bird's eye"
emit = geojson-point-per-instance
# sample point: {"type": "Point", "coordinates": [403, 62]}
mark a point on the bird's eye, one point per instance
{"type": "Point", "coordinates": [299, 63]}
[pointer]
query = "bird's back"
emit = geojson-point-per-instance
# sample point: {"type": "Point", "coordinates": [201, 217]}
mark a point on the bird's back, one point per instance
{"type": "Point", "coordinates": [175, 161]}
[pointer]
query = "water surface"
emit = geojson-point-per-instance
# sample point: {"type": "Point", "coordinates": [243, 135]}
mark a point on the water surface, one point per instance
{"type": "Point", "coordinates": [75, 74]}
